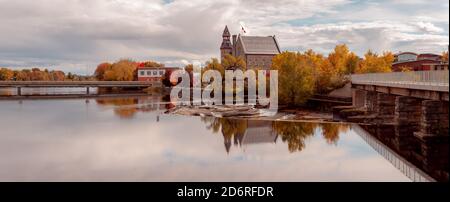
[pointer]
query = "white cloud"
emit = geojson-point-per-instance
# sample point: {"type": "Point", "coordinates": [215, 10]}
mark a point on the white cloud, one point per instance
{"type": "Point", "coordinates": [84, 33]}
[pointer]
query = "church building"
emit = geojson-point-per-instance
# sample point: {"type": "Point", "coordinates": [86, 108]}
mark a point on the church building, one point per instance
{"type": "Point", "coordinates": [257, 51]}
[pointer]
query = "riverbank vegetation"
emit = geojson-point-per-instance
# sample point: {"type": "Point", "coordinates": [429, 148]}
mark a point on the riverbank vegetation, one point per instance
{"type": "Point", "coordinates": [36, 74]}
{"type": "Point", "coordinates": [303, 74]}
{"type": "Point", "coordinates": [122, 70]}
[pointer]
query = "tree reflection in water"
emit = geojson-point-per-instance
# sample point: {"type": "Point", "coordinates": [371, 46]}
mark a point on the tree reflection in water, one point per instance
{"type": "Point", "coordinates": [127, 108]}
{"type": "Point", "coordinates": [294, 133]}
{"type": "Point", "coordinates": [233, 130]}
{"type": "Point", "coordinates": [331, 131]}
{"type": "Point", "coordinates": [236, 131]}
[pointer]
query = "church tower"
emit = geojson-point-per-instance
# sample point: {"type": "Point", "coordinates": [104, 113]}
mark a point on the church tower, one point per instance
{"type": "Point", "coordinates": [226, 47]}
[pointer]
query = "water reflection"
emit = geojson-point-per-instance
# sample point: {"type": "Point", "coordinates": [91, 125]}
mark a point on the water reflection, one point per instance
{"type": "Point", "coordinates": [127, 107]}
{"type": "Point", "coordinates": [429, 155]}
{"type": "Point", "coordinates": [130, 139]}
{"type": "Point", "coordinates": [239, 132]}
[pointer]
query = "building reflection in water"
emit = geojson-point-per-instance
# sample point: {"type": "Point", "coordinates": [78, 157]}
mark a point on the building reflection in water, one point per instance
{"type": "Point", "coordinates": [397, 144]}
{"type": "Point", "coordinates": [240, 132]}
{"type": "Point", "coordinates": [128, 107]}
{"type": "Point", "coordinates": [405, 152]}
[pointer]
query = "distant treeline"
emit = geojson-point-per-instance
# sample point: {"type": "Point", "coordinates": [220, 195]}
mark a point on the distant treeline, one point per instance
{"type": "Point", "coordinates": [35, 74]}
{"type": "Point", "coordinates": [122, 70]}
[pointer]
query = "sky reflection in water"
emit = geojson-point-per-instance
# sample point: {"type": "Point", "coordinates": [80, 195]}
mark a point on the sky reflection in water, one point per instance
{"type": "Point", "coordinates": [131, 140]}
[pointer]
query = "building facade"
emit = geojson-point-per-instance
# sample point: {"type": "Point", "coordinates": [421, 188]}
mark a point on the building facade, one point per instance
{"type": "Point", "coordinates": [153, 73]}
{"type": "Point", "coordinates": [418, 62]}
{"type": "Point", "coordinates": [257, 51]}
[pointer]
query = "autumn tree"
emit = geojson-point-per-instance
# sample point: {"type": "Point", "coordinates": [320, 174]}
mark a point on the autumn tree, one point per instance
{"type": "Point", "coordinates": [343, 60]}
{"type": "Point", "coordinates": [230, 62]}
{"type": "Point", "coordinates": [296, 80]}
{"type": "Point", "coordinates": [445, 56]}
{"type": "Point", "coordinates": [38, 75]}
{"type": "Point", "coordinates": [338, 58]}
{"type": "Point", "coordinates": [124, 70]}
{"type": "Point", "coordinates": [352, 63]}
{"type": "Point", "coordinates": [101, 69]}
{"type": "Point", "coordinates": [6, 74]}
{"type": "Point", "coordinates": [214, 64]}
{"type": "Point", "coordinates": [57, 75]}
{"type": "Point", "coordinates": [373, 63]}
{"type": "Point", "coordinates": [152, 64]}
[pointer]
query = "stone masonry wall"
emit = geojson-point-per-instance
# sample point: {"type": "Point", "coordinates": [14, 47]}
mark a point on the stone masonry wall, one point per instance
{"type": "Point", "coordinates": [434, 117]}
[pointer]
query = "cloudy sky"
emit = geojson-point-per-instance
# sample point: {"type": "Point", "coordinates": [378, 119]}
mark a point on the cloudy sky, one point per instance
{"type": "Point", "coordinates": [76, 35]}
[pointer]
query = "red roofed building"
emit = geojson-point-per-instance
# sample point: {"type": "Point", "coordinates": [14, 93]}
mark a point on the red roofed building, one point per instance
{"type": "Point", "coordinates": [418, 62]}
{"type": "Point", "coordinates": [153, 73]}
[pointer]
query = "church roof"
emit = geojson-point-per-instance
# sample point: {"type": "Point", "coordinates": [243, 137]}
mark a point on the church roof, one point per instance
{"type": "Point", "coordinates": [260, 45]}
{"type": "Point", "coordinates": [226, 33]}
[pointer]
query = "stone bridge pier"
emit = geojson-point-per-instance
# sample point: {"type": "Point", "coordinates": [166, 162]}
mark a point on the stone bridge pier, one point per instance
{"type": "Point", "coordinates": [427, 116]}
{"type": "Point", "coordinates": [412, 107]}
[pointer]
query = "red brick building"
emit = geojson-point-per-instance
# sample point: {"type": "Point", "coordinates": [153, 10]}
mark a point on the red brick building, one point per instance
{"type": "Point", "coordinates": [418, 62]}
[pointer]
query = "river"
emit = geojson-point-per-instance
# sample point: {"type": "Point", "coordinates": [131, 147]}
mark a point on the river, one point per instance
{"type": "Point", "coordinates": [132, 139]}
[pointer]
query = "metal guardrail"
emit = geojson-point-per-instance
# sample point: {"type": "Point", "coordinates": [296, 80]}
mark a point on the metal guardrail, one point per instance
{"type": "Point", "coordinates": [421, 80]}
{"type": "Point", "coordinates": [78, 83]}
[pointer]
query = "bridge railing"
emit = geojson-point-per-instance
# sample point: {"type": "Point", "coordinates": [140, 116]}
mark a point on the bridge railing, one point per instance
{"type": "Point", "coordinates": [422, 80]}
{"type": "Point", "coordinates": [76, 83]}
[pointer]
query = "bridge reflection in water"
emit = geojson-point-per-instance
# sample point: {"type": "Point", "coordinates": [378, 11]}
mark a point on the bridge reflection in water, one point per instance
{"type": "Point", "coordinates": [399, 150]}
{"type": "Point", "coordinates": [407, 168]}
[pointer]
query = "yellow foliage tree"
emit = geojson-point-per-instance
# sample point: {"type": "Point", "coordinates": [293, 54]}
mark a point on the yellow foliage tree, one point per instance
{"type": "Point", "coordinates": [373, 63]}
{"type": "Point", "coordinates": [230, 62]}
{"type": "Point", "coordinates": [343, 60]}
{"type": "Point", "coordinates": [296, 80]}
{"type": "Point", "coordinates": [124, 70]}
{"type": "Point", "coordinates": [338, 58]}
{"type": "Point", "coordinates": [445, 56]}
{"type": "Point", "coordinates": [6, 74]}
{"type": "Point", "coordinates": [214, 64]}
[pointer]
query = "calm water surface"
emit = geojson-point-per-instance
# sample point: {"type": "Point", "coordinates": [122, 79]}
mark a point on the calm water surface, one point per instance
{"type": "Point", "coordinates": [133, 140]}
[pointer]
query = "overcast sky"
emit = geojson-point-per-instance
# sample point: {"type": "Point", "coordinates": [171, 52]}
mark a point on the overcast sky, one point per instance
{"type": "Point", "coordinates": [76, 35]}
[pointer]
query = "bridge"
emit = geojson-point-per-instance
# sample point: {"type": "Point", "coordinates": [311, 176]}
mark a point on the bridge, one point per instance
{"type": "Point", "coordinates": [417, 103]}
{"type": "Point", "coordinates": [76, 84]}
{"type": "Point", "coordinates": [431, 85]}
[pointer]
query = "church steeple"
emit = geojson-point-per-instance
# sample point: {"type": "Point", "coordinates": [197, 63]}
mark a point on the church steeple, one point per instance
{"type": "Point", "coordinates": [226, 33]}
{"type": "Point", "coordinates": [226, 47]}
